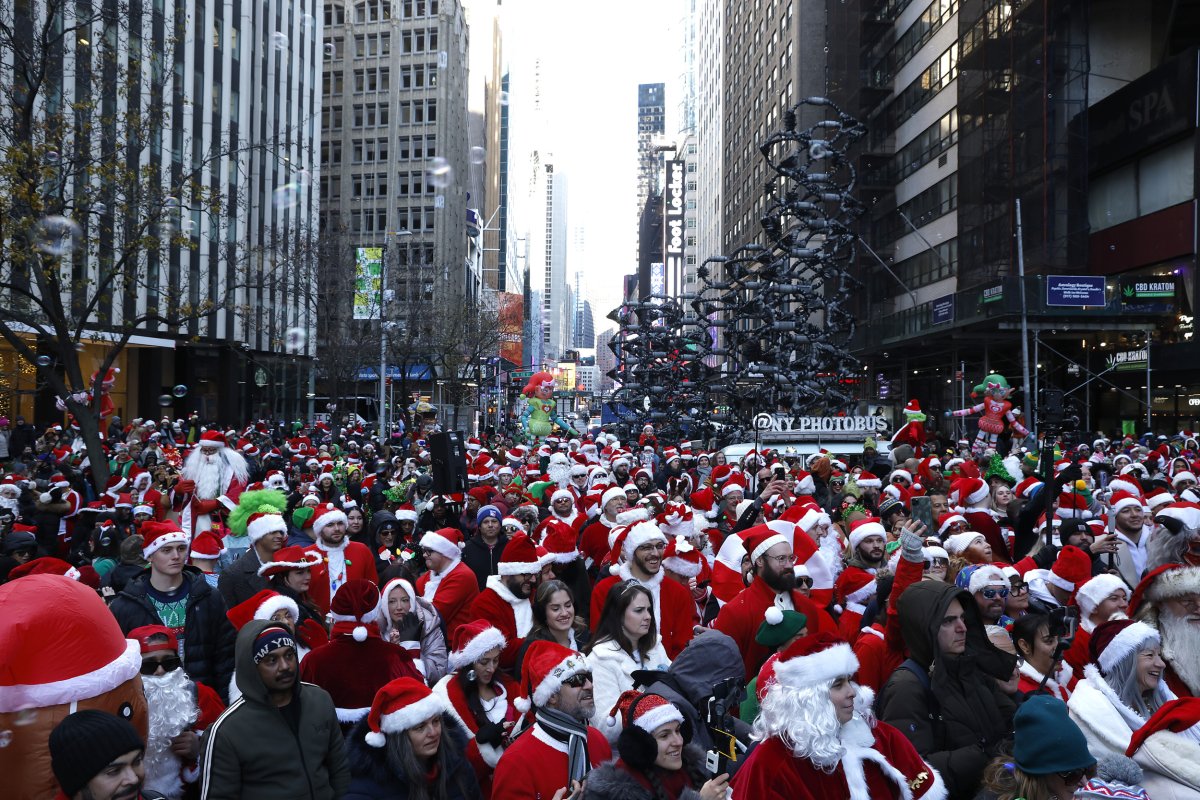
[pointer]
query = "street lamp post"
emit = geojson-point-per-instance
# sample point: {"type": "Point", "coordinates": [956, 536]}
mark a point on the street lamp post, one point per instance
{"type": "Point", "coordinates": [383, 336]}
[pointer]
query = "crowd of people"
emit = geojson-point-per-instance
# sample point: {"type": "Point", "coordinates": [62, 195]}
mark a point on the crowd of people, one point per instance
{"type": "Point", "coordinates": [309, 613]}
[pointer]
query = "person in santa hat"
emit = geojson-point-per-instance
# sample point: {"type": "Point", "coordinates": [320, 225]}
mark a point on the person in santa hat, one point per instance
{"type": "Point", "coordinates": [594, 541]}
{"type": "Point", "coordinates": [774, 579]}
{"type": "Point", "coordinates": [480, 696]}
{"type": "Point", "coordinates": [409, 742]}
{"type": "Point", "coordinates": [213, 478]}
{"type": "Point", "coordinates": [449, 584]}
{"type": "Point", "coordinates": [1099, 599]}
{"type": "Point", "coordinates": [260, 515]}
{"type": "Point", "coordinates": [657, 759]}
{"type": "Point", "coordinates": [410, 621]}
{"type": "Point", "coordinates": [179, 710]}
{"type": "Point", "coordinates": [1052, 588]}
{"type": "Point", "coordinates": [357, 661]}
{"type": "Point", "coordinates": [206, 550]}
{"type": "Point", "coordinates": [177, 596]}
{"type": "Point", "coordinates": [1167, 748]}
{"type": "Point", "coordinates": [271, 605]}
{"type": "Point", "coordinates": [1122, 686]}
{"type": "Point", "coordinates": [505, 601]}
{"type": "Point", "coordinates": [551, 758]}
{"type": "Point", "coordinates": [820, 739]}
{"type": "Point", "coordinates": [1041, 666]}
{"type": "Point", "coordinates": [637, 554]}
{"type": "Point", "coordinates": [1169, 599]}
{"type": "Point", "coordinates": [342, 560]}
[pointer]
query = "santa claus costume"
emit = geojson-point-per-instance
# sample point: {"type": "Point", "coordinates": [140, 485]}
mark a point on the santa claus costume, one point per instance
{"type": "Point", "coordinates": [495, 717]}
{"type": "Point", "coordinates": [807, 753]}
{"type": "Point", "coordinates": [1181, 638]}
{"type": "Point", "coordinates": [346, 561]}
{"type": "Point", "coordinates": [1167, 748]}
{"type": "Point", "coordinates": [537, 763]}
{"type": "Point", "coordinates": [454, 588]}
{"type": "Point", "coordinates": [508, 613]}
{"type": "Point", "coordinates": [357, 661]}
{"type": "Point", "coordinates": [210, 484]}
{"type": "Point", "coordinates": [594, 540]}
{"type": "Point", "coordinates": [673, 604]}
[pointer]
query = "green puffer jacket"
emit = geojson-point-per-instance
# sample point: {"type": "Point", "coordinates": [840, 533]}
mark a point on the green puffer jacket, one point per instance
{"type": "Point", "coordinates": [251, 752]}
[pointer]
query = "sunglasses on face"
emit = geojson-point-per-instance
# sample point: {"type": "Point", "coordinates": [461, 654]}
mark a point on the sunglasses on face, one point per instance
{"type": "Point", "coordinates": [578, 680]}
{"type": "Point", "coordinates": [169, 664]}
{"type": "Point", "coordinates": [804, 583]}
{"type": "Point", "coordinates": [1073, 777]}
{"type": "Point", "coordinates": [992, 594]}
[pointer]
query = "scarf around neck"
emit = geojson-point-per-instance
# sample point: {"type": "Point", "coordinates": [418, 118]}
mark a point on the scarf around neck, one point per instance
{"type": "Point", "coordinates": [571, 732]}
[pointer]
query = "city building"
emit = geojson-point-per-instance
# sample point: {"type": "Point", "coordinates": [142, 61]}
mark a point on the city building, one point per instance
{"type": "Point", "coordinates": [214, 113]}
{"type": "Point", "coordinates": [709, 71]}
{"type": "Point", "coordinates": [548, 259]}
{"type": "Point", "coordinates": [606, 360]}
{"type": "Point", "coordinates": [651, 125]}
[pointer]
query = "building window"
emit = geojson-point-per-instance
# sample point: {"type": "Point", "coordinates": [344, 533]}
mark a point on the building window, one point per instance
{"type": "Point", "coordinates": [335, 14]}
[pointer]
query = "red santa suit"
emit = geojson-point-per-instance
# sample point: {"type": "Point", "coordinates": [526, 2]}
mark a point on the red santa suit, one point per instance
{"type": "Point", "coordinates": [1031, 680]}
{"type": "Point", "coordinates": [511, 615]}
{"type": "Point", "coordinates": [499, 711]}
{"type": "Point", "coordinates": [345, 562]}
{"type": "Point", "coordinates": [354, 666]}
{"type": "Point", "coordinates": [876, 661]}
{"type": "Point", "coordinates": [884, 766]}
{"type": "Point", "coordinates": [534, 766]}
{"type": "Point", "coordinates": [593, 542]}
{"type": "Point", "coordinates": [454, 588]}
{"type": "Point", "coordinates": [195, 513]}
{"type": "Point", "coordinates": [742, 616]}
{"type": "Point", "coordinates": [673, 607]}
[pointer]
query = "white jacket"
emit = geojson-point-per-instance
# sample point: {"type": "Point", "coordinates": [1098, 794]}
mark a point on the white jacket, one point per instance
{"type": "Point", "coordinates": [1171, 766]}
{"type": "Point", "coordinates": [612, 673]}
{"type": "Point", "coordinates": [1107, 722]}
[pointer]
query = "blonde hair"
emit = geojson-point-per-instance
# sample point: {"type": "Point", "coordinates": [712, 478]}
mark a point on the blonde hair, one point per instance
{"type": "Point", "coordinates": [1007, 780]}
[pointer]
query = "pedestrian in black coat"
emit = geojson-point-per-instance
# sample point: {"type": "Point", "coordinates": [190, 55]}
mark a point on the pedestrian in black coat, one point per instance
{"type": "Point", "coordinates": [392, 772]}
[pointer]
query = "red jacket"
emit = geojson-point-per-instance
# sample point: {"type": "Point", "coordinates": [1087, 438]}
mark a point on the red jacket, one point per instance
{"type": "Point", "coordinates": [352, 672]}
{"type": "Point", "coordinates": [742, 616]}
{"type": "Point", "coordinates": [674, 609]}
{"type": "Point", "coordinates": [360, 563]}
{"type": "Point", "coordinates": [493, 607]}
{"type": "Point", "coordinates": [593, 542]}
{"type": "Point", "coordinates": [876, 661]}
{"type": "Point", "coordinates": [453, 596]}
{"type": "Point", "coordinates": [534, 766]}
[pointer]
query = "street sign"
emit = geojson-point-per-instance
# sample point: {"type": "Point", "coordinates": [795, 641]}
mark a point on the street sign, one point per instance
{"type": "Point", "coordinates": [1075, 291]}
{"type": "Point", "coordinates": [942, 310]}
{"type": "Point", "coordinates": [1147, 290]}
{"type": "Point", "coordinates": [520, 375]}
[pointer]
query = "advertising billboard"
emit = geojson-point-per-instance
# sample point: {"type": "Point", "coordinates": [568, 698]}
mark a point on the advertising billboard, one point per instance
{"type": "Point", "coordinates": [511, 313]}
{"type": "Point", "coordinates": [368, 273]}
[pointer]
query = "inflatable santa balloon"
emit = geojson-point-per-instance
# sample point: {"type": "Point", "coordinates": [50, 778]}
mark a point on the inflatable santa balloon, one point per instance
{"type": "Point", "coordinates": [61, 651]}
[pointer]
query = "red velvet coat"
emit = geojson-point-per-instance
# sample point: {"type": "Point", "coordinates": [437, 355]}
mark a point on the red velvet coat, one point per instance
{"type": "Point", "coordinates": [593, 542]}
{"type": "Point", "coordinates": [876, 661]}
{"type": "Point", "coordinates": [453, 596]}
{"type": "Point", "coordinates": [742, 616]}
{"type": "Point", "coordinates": [489, 605]}
{"type": "Point", "coordinates": [360, 563]}
{"type": "Point", "coordinates": [673, 605]}
{"type": "Point", "coordinates": [534, 766]}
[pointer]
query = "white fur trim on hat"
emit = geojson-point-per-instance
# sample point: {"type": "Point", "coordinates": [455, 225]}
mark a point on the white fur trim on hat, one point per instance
{"type": "Point", "coordinates": [950, 520]}
{"type": "Point", "coordinates": [640, 534]}
{"type": "Point", "coordinates": [1094, 592]}
{"type": "Point", "coordinates": [489, 639]}
{"type": "Point", "coordinates": [76, 688]}
{"type": "Point", "coordinates": [143, 509]}
{"type": "Point", "coordinates": [553, 681]}
{"type": "Point", "coordinates": [818, 668]}
{"type": "Point", "coordinates": [731, 487]}
{"type": "Point", "coordinates": [1124, 644]}
{"type": "Point", "coordinates": [610, 495]}
{"type": "Point", "coordinates": [655, 718]}
{"type": "Point", "coordinates": [334, 515]}
{"type": "Point", "coordinates": [863, 593]}
{"type": "Point", "coordinates": [863, 531]}
{"type": "Point", "coordinates": [562, 494]}
{"type": "Point", "coordinates": [900, 473]}
{"type": "Point", "coordinates": [406, 515]}
{"type": "Point", "coordinates": [369, 616]}
{"type": "Point", "coordinates": [633, 515]}
{"type": "Point", "coordinates": [1182, 476]}
{"type": "Point", "coordinates": [1055, 579]}
{"type": "Point", "coordinates": [932, 552]}
{"type": "Point", "coordinates": [307, 561]}
{"type": "Point", "coordinates": [869, 483]}
{"type": "Point", "coordinates": [413, 714]}
{"type": "Point", "coordinates": [1126, 502]}
{"type": "Point", "coordinates": [1118, 485]}
{"type": "Point", "coordinates": [173, 537]}
{"type": "Point", "coordinates": [766, 545]}
{"type": "Point", "coordinates": [1174, 583]}
{"type": "Point", "coordinates": [441, 545]}
{"type": "Point", "coordinates": [985, 576]}
{"type": "Point", "coordinates": [961, 541]}
{"type": "Point", "coordinates": [266, 523]}
{"type": "Point", "coordinates": [272, 604]}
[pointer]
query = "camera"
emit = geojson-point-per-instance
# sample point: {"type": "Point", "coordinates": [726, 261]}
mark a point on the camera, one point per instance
{"type": "Point", "coordinates": [1064, 622]}
{"type": "Point", "coordinates": [717, 717]}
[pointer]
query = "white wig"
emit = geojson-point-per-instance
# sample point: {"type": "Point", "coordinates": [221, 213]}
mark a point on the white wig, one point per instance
{"type": "Point", "coordinates": [805, 720]}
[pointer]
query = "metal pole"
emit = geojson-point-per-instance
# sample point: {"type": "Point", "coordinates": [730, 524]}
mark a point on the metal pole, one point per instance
{"type": "Point", "coordinates": [1037, 355]}
{"type": "Point", "coordinates": [1030, 402]}
{"type": "Point", "coordinates": [962, 400]}
{"type": "Point", "coordinates": [383, 281]}
{"type": "Point", "coordinates": [1149, 397]}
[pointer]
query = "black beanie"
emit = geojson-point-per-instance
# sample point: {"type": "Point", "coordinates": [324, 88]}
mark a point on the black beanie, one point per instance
{"type": "Point", "coordinates": [85, 743]}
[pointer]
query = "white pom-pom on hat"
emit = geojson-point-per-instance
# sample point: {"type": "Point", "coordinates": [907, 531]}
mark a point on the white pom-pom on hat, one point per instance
{"type": "Point", "coordinates": [522, 704]}
{"type": "Point", "coordinates": [774, 615]}
{"type": "Point", "coordinates": [360, 633]}
{"type": "Point", "coordinates": [375, 739]}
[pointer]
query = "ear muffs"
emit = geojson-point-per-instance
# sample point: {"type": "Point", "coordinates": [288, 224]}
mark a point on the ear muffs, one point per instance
{"type": "Point", "coordinates": [639, 748]}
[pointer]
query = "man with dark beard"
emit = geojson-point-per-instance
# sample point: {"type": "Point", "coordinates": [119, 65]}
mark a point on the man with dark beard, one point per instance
{"type": "Point", "coordinates": [213, 478]}
{"type": "Point", "coordinates": [868, 554]}
{"type": "Point", "coordinates": [504, 601]}
{"type": "Point", "coordinates": [1169, 599]}
{"type": "Point", "coordinates": [774, 585]}
{"type": "Point", "coordinates": [178, 709]}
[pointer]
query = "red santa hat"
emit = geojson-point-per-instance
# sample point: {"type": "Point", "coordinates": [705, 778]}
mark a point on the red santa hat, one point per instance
{"type": "Point", "coordinates": [1162, 583]}
{"type": "Point", "coordinates": [472, 641]}
{"type": "Point", "coordinates": [207, 545]}
{"type": "Point", "coordinates": [854, 588]}
{"type": "Point", "coordinates": [289, 558]}
{"type": "Point", "coordinates": [1116, 640]}
{"type": "Point", "coordinates": [815, 660]}
{"type": "Point", "coordinates": [735, 483]}
{"type": "Point", "coordinates": [682, 558]}
{"type": "Point", "coordinates": [1175, 716]}
{"type": "Point", "coordinates": [900, 473]}
{"type": "Point", "coordinates": [1122, 499]}
{"type": "Point", "coordinates": [804, 483]}
{"type": "Point", "coordinates": [971, 491]}
{"type": "Point", "coordinates": [559, 541]}
{"type": "Point", "coordinates": [1125, 483]}
{"type": "Point", "coordinates": [1095, 591]}
{"type": "Point", "coordinates": [704, 501]}
{"type": "Point", "coordinates": [324, 514]}
{"type": "Point", "coordinates": [912, 407]}
{"type": "Point", "coordinates": [959, 542]}
{"type": "Point", "coordinates": [212, 439]}
{"type": "Point", "coordinates": [946, 520]}
{"type": "Point", "coordinates": [761, 538]}
{"type": "Point", "coordinates": [519, 557]}
{"type": "Point", "coordinates": [647, 712]}
{"type": "Point", "coordinates": [406, 513]}
{"type": "Point", "coordinates": [261, 523]}
{"type": "Point", "coordinates": [860, 529]}
{"type": "Point", "coordinates": [610, 495]}
{"type": "Point", "coordinates": [1025, 488]}
{"type": "Point", "coordinates": [1179, 477]}
{"type": "Point", "coordinates": [1073, 506]}
{"type": "Point", "coordinates": [867, 480]}
{"type": "Point", "coordinates": [399, 705]}
{"type": "Point", "coordinates": [276, 479]}
{"type": "Point", "coordinates": [1072, 569]}
{"type": "Point", "coordinates": [44, 565]}
{"type": "Point", "coordinates": [546, 666]}
{"type": "Point", "coordinates": [985, 576]}
{"type": "Point", "coordinates": [356, 600]}
{"type": "Point", "coordinates": [59, 652]}
{"type": "Point", "coordinates": [157, 534]}
{"type": "Point", "coordinates": [445, 541]}
{"type": "Point", "coordinates": [262, 606]}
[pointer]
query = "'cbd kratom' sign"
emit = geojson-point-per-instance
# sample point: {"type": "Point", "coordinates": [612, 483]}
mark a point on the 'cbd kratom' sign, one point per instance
{"type": "Point", "coordinates": [1147, 290]}
{"type": "Point", "coordinates": [820, 427]}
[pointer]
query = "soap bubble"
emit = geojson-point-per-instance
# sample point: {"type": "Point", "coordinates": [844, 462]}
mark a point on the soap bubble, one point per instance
{"type": "Point", "coordinates": [439, 172]}
{"type": "Point", "coordinates": [279, 40]}
{"type": "Point", "coordinates": [99, 209]}
{"type": "Point", "coordinates": [309, 23]}
{"type": "Point", "coordinates": [52, 157]}
{"type": "Point", "coordinates": [295, 339]}
{"type": "Point", "coordinates": [44, 361]}
{"type": "Point", "coordinates": [330, 51]}
{"type": "Point", "coordinates": [6, 738]}
{"type": "Point", "coordinates": [57, 236]}
{"type": "Point", "coordinates": [180, 390]}
{"type": "Point", "coordinates": [165, 400]}
{"type": "Point", "coordinates": [26, 716]}
{"type": "Point", "coordinates": [478, 155]}
{"type": "Point", "coordinates": [287, 196]}
{"type": "Point", "coordinates": [170, 203]}
{"type": "Point", "coordinates": [504, 98]}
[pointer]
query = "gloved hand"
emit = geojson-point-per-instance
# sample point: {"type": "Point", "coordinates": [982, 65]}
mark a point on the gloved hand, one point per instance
{"type": "Point", "coordinates": [409, 629]}
{"type": "Point", "coordinates": [490, 733]}
{"type": "Point", "coordinates": [911, 546]}
{"type": "Point", "coordinates": [1046, 557]}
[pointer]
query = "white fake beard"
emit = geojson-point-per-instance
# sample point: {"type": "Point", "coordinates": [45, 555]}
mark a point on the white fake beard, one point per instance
{"type": "Point", "coordinates": [172, 709]}
{"type": "Point", "coordinates": [210, 480]}
{"type": "Point", "coordinates": [1181, 647]}
{"type": "Point", "coordinates": [560, 474]}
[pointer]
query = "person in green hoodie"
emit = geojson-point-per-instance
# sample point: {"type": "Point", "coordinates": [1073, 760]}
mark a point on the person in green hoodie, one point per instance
{"type": "Point", "coordinates": [281, 739]}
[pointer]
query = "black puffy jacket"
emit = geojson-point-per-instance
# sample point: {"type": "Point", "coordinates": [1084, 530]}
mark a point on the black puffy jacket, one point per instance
{"type": "Point", "coordinates": [372, 778]}
{"type": "Point", "coordinates": [952, 709]}
{"type": "Point", "coordinates": [208, 636]}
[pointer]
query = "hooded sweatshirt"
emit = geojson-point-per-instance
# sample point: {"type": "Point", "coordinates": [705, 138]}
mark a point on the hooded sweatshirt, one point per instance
{"type": "Point", "coordinates": [963, 718]}
{"type": "Point", "coordinates": [253, 751]}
